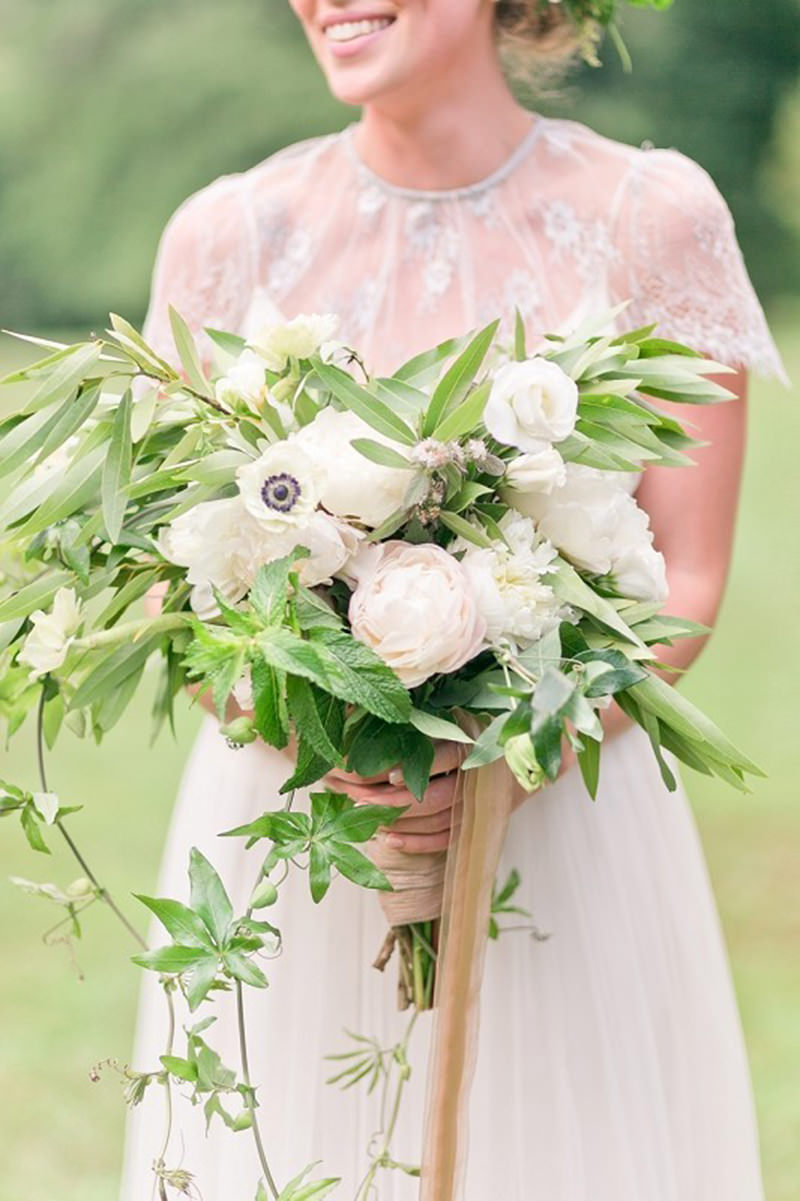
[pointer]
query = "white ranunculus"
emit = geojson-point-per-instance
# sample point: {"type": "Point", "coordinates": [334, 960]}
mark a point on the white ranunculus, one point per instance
{"type": "Point", "coordinates": [507, 581]}
{"type": "Point", "coordinates": [352, 486]}
{"type": "Point", "coordinates": [539, 471]}
{"type": "Point", "coordinates": [641, 574]}
{"type": "Point", "coordinates": [46, 646]}
{"type": "Point", "coordinates": [531, 404]}
{"type": "Point", "coordinates": [281, 489]}
{"type": "Point", "coordinates": [413, 605]}
{"type": "Point", "coordinates": [298, 338]}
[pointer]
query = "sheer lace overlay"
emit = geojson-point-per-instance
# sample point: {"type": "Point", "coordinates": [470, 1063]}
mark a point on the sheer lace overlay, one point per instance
{"type": "Point", "coordinates": [572, 223]}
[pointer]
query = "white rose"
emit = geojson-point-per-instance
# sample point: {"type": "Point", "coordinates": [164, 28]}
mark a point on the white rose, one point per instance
{"type": "Point", "coordinates": [540, 471]}
{"type": "Point", "coordinates": [507, 581]}
{"type": "Point", "coordinates": [414, 607]}
{"type": "Point", "coordinates": [281, 488]}
{"type": "Point", "coordinates": [352, 486]}
{"type": "Point", "coordinates": [47, 644]}
{"type": "Point", "coordinates": [299, 338]}
{"type": "Point", "coordinates": [531, 404]}
{"type": "Point", "coordinates": [641, 574]}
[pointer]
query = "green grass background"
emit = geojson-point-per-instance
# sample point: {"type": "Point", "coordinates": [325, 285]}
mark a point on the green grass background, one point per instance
{"type": "Point", "coordinates": [61, 1134]}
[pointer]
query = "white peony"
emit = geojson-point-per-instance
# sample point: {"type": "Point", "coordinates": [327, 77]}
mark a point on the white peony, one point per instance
{"type": "Point", "coordinates": [298, 338]}
{"type": "Point", "coordinates": [507, 581]}
{"type": "Point", "coordinates": [281, 489]}
{"type": "Point", "coordinates": [413, 605]}
{"type": "Point", "coordinates": [46, 646]}
{"type": "Point", "coordinates": [539, 471]}
{"type": "Point", "coordinates": [352, 486]}
{"type": "Point", "coordinates": [597, 524]}
{"type": "Point", "coordinates": [531, 404]}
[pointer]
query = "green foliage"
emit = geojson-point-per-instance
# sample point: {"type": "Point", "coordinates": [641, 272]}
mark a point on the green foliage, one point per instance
{"type": "Point", "coordinates": [328, 835]}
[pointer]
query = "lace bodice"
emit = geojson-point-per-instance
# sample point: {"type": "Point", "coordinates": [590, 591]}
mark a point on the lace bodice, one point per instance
{"type": "Point", "coordinates": [572, 223]}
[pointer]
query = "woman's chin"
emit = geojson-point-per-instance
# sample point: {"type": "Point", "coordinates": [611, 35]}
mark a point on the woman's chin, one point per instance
{"type": "Point", "coordinates": [360, 85]}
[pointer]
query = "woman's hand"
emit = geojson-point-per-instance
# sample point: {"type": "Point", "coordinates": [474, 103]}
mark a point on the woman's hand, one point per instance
{"type": "Point", "coordinates": [428, 824]}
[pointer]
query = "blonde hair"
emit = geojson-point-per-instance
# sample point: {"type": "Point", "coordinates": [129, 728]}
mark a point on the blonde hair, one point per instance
{"type": "Point", "coordinates": [537, 40]}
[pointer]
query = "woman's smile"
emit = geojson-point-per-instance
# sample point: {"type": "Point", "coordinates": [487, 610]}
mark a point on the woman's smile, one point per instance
{"type": "Point", "coordinates": [347, 35]}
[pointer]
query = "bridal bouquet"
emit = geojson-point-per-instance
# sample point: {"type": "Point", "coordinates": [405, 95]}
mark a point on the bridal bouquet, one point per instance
{"type": "Point", "coordinates": [368, 566]}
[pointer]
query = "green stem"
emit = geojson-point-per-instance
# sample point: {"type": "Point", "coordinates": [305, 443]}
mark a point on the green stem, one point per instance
{"type": "Point", "coordinates": [248, 1100]}
{"type": "Point", "coordinates": [130, 630]}
{"type": "Point", "coordinates": [383, 1158]}
{"type": "Point", "coordinates": [105, 895]}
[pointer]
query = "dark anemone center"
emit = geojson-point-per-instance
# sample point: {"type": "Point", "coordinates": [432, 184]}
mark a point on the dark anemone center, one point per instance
{"type": "Point", "coordinates": [280, 492]}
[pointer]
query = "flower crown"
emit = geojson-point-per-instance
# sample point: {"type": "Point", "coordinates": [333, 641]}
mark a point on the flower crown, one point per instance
{"type": "Point", "coordinates": [591, 17]}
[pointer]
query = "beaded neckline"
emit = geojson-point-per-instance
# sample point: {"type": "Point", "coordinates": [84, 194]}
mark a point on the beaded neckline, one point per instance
{"type": "Point", "coordinates": [495, 177]}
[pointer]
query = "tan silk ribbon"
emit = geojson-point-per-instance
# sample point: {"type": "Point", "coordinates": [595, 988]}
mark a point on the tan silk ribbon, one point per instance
{"type": "Point", "coordinates": [487, 799]}
{"type": "Point", "coordinates": [457, 885]}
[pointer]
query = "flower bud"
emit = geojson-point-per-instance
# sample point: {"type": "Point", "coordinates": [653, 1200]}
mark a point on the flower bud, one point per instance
{"type": "Point", "coordinates": [522, 761]}
{"type": "Point", "coordinates": [239, 731]}
{"type": "Point", "coordinates": [264, 894]}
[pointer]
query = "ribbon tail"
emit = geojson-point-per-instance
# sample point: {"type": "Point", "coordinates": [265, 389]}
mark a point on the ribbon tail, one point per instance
{"type": "Point", "coordinates": [487, 800]}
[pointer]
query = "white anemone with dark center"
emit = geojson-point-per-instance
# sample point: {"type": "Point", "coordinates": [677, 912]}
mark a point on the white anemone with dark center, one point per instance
{"type": "Point", "coordinates": [282, 487]}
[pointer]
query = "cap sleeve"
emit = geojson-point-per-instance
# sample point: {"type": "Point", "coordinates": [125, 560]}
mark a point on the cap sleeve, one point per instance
{"type": "Point", "coordinates": [680, 264]}
{"type": "Point", "coordinates": [204, 266]}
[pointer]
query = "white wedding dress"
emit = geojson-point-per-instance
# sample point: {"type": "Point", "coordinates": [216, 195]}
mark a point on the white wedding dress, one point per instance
{"type": "Point", "coordinates": [611, 1064]}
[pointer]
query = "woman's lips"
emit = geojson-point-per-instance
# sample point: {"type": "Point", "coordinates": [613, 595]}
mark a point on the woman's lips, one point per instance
{"type": "Point", "coordinates": [345, 38]}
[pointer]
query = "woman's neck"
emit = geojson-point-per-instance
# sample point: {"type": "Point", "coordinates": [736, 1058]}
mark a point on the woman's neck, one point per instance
{"type": "Point", "coordinates": [450, 133]}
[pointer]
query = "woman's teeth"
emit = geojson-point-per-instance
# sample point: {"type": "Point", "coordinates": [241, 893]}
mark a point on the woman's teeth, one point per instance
{"type": "Point", "coordinates": [345, 31]}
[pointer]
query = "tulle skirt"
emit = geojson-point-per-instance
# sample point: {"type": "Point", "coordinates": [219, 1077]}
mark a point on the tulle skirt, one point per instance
{"type": "Point", "coordinates": [611, 1064]}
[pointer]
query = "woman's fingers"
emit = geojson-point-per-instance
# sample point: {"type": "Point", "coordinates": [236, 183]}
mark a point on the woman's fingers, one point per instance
{"type": "Point", "coordinates": [439, 794]}
{"type": "Point", "coordinates": [446, 759]}
{"type": "Point", "coordinates": [411, 823]}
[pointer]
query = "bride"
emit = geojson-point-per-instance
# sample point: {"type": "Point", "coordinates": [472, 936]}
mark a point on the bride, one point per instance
{"type": "Point", "coordinates": [611, 1064]}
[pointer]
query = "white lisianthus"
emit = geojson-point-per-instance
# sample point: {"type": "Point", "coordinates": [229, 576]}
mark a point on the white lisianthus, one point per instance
{"type": "Point", "coordinates": [539, 471]}
{"type": "Point", "coordinates": [245, 379]}
{"type": "Point", "coordinates": [281, 488]}
{"type": "Point", "coordinates": [531, 404]}
{"type": "Point", "coordinates": [298, 338]}
{"type": "Point", "coordinates": [413, 605]}
{"type": "Point", "coordinates": [597, 524]}
{"type": "Point", "coordinates": [336, 353]}
{"type": "Point", "coordinates": [47, 644]}
{"type": "Point", "coordinates": [507, 581]}
{"type": "Point", "coordinates": [352, 486]}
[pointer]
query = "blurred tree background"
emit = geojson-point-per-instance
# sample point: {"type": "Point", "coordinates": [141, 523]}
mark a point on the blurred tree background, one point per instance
{"type": "Point", "coordinates": [112, 111]}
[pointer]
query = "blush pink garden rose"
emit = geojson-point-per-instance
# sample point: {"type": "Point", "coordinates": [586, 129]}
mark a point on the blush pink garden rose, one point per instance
{"type": "Point", "coordinates": [415, 607]}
